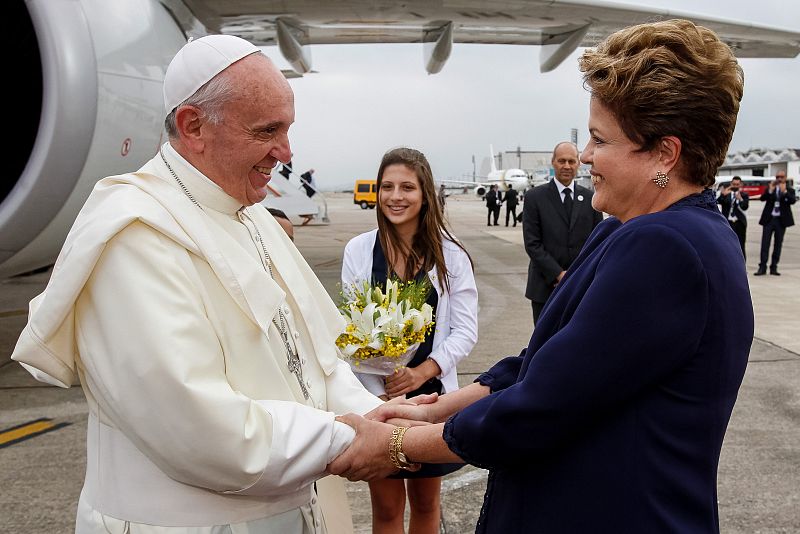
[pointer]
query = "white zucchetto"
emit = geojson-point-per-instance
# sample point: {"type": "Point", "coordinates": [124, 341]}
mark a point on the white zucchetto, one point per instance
{"type": "Point", "coordinates": [198, 62]}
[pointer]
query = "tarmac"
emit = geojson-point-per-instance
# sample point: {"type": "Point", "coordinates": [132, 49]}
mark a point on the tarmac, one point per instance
{"type": "Point", "coordinates": [759, 471]}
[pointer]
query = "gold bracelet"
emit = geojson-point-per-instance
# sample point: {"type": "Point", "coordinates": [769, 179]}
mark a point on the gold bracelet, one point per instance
{"type": "Point", "coordinates": [396, 454]}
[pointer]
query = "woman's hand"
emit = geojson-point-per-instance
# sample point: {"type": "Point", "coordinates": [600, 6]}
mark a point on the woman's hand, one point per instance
{"type": "Point", "coordinates": [408, 379]}
{"type": "Point", "coordinates": [405, 412]}
{"type": "Point", "coordinates": [404, 380]}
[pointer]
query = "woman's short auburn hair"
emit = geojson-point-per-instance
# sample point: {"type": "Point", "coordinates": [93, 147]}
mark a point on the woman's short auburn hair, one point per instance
{"type": "Point", "coordinates": [670, 78]}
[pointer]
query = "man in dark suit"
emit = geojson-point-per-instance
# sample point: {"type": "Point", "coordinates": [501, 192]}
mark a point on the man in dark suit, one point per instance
{"type": "Point", "coordinates": [493, 205]}
{"type": "Point", "coordinates": [734, 202]}
{"type": "Point", "coordinates": [511, 200]}
{"type": "Point", "coordinates": [557, 218]}
{"type": "Point", "coordinates": [776, 218]}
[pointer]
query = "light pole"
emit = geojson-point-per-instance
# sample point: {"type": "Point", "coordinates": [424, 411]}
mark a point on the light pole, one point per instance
{"type": "Point", "coordinates": [473, 168]}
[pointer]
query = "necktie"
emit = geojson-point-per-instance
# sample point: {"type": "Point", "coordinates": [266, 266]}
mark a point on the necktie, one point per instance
{"type": "Point", "coordinates": [568, 202]}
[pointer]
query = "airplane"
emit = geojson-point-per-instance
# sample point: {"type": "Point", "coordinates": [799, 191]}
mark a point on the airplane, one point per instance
{"type": "Point", "coordinates": [517, 178]}
{"type": "Point", "coordinates": [90, 74]}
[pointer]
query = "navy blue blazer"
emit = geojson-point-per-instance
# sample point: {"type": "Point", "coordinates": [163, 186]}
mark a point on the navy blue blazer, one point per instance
{"type": "Point", "coordinates": [612, 419]}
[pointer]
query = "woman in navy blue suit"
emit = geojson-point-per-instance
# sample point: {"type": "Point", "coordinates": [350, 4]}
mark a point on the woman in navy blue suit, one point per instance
{"type": "Point", "coordinates": [612, 419]}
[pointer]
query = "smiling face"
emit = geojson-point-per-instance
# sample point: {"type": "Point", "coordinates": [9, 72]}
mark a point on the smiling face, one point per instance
{"type": "Point", "coordinates": [238, 154]}
{"type": "Point", "coordinates": [400, 198]}
{"type": "Point", "coordinates": [621, 174]}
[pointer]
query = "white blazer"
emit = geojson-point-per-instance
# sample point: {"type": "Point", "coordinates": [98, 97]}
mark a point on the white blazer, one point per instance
{"type": "Point", "coordinates": [456, 330]}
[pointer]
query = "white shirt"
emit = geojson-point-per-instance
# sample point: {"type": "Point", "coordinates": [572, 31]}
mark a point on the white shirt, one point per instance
{"type": "Point", "coordinates": [561, 188]}
{"type": "Point", "coordinates": [776, 208]}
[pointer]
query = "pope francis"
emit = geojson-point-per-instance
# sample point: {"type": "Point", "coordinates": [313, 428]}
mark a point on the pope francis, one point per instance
{"type": "Point", "coordinates": [202, 339]}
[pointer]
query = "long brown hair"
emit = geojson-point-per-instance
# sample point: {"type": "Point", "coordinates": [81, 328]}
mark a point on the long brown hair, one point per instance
{"type": "Point", "coordinates": [426, 245]}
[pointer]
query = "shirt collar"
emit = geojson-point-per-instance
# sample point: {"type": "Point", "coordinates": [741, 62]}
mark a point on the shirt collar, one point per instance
{"type": "Point", "coordinates": [206, 192]}
{"type": "Point", "coordinates": [561, 187]}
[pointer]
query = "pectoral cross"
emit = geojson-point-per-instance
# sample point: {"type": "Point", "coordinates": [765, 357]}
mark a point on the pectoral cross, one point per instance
{"type": "Point", "coordinates": [292, 359]}
{"type": "Point", "coordinates": [293, 362]}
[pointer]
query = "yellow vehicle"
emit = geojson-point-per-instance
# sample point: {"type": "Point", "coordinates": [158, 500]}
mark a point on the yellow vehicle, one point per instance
{"type": "Point", "coordinates": [365, 193]}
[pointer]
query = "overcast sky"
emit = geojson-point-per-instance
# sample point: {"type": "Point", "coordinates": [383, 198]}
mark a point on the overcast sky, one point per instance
{"type": "Point", "coordinates": [365, 99]}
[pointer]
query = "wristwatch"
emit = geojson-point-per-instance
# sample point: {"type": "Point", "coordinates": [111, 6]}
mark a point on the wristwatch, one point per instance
{"type": "Point", "coordinates": [402, 461]}
{"type": "Point", "coordinates": [396, 454]}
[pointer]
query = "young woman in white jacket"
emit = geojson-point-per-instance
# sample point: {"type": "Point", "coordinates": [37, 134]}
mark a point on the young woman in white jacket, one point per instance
{"type": "Point", "coordinates": [412, 242]}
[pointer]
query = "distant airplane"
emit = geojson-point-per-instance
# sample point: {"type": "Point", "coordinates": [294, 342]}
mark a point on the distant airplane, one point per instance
{"type": "Point", "coordinates": [502, 178]}
{"type": "Point", "coordinates": [93, 72]}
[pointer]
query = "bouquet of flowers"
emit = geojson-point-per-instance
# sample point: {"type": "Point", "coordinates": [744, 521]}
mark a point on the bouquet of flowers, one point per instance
{"type": "Point", "coordinates": [384, 327]}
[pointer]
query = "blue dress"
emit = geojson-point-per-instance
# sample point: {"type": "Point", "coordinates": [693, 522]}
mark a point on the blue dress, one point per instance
{"type": "Point", "coordinates": [612, 419]}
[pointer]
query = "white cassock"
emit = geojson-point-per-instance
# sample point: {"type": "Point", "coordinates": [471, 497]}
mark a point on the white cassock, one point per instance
{"type": "Point", "coordinates": [164, 310]}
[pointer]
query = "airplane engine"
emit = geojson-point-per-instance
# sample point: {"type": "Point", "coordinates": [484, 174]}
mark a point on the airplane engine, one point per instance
{"type": "Point", "coordinates": [87, 75]}
{"type": "Point", "coordinates": [480, 190]}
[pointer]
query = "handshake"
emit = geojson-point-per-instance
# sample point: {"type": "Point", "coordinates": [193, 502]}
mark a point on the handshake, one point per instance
{"type": "Point", "coordinates": [385, 436]}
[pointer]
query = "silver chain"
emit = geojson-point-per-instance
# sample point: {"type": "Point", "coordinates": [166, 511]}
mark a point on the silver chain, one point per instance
{"type": "Point", "coordinates": [292, 359]}
{"type": "Point", "coordinates": [180, 183]}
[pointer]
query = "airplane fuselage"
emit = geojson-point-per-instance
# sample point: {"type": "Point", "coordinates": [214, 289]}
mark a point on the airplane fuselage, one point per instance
{"type": "Point", "coordinates": [505, 177]}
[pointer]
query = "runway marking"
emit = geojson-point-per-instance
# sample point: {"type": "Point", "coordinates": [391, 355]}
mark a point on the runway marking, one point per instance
{"type": "Point", "coordinates": [28, 430]}
{"type": "Point", "coordinates": [328, 263]}
{"type": "Point", "coordinates": [13, 313]}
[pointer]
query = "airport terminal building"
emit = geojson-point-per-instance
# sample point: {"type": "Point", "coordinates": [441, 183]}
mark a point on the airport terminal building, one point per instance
{"type": "Point", "coordinates": [762, 162]}
{"type": "Point", "coordinates": [754, 162]}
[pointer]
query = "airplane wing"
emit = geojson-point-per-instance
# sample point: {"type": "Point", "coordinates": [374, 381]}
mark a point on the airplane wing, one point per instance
{"type": "Point", "coordinates": [561, 26]}
{"type": "Point", "coordinates": [464, 183]}
{"type": "Point", "coordinates": [94, 72]}
{"type": "Point", "coordinates": [480, 188]}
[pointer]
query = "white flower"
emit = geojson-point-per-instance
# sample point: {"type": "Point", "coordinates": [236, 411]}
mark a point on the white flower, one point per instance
{"type": "Point", "coordinates": [421, 318]}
